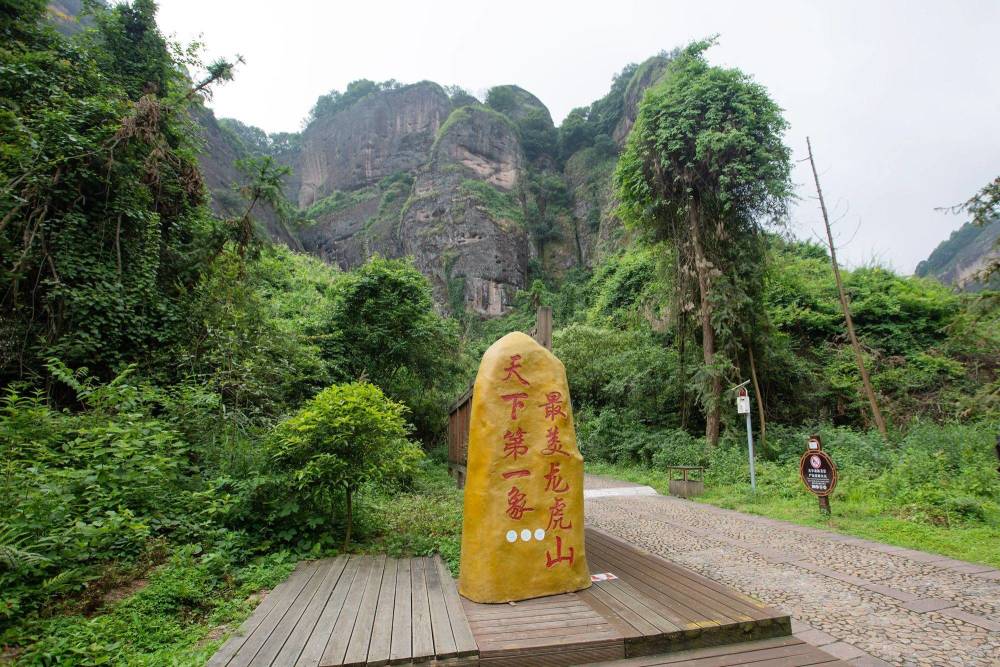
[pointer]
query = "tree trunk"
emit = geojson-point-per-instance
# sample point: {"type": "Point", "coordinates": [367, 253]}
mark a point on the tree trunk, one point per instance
{"type": "Point", "coordinates": [846, 306]}
{"type": "Point", "coordinates": [713, 418]}
{"type": "Point", "coordinates": [350, 520]}
{"type": "Point", "coordinates": [758, 397]}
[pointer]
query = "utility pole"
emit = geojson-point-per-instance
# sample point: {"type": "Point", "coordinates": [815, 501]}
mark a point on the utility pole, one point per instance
{"type": "Point", "coordinates": [846, 306]}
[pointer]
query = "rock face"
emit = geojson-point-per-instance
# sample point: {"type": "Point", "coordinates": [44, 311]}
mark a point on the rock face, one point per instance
{"type": "Point", "coordinates": [472, 192]}
{"type": "Point", "coordinates": [960, 259]}
{"type": "Point", "coordinates": [649, 73]}
{"type": "Point", "coordinates": [381, 134]}
{"type": "Point", "coordinates": [462, 223]}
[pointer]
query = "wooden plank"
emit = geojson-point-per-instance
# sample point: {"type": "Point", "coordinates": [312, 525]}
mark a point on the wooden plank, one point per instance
{"type": "Point", "coordinates": [531, 645]}
{"type": "Point", "coordinates": [378, 648]}
{"type": "Point", "coordinates": [737, 606]}
{"type": "Point", "coordinates": [514, 612]}
{"type": "Point", "coordinates": [270, 649]}
{"type": "Point", "coordinates": [357, 648]}
{"type": "Point", "coordinates": [555, 631]}
{"type": "Point", "coordinates": [300, 635]}
{"type": "Point", "coordinates": [558, 657]}
{"type": "Point", "coordinates": [444, 640]}
{"type": "Point", "coordinates": [641, 605]}
{"type": "Point", "coordinates": [694, 608]}
{"type": "Point", "coordinates": [677, 614]}
{"type": "Point", "coordinates": [465, 643]}
{"type": "Point", "coordinates": [401, 648]}
{"type": "Point", "coordinates": [336, 647]}
{"type": "Point", "coordinates": [229, 649]}
{"type": "Point", "coordinates": [763, 653]}
{"type": "Point", "coordinates": [697, 584]}
{"type": "Point", "coordinates": [485, 626]}
{"type": "Point", "coordinates": [611, 608]}
{"type": "Point", "coordinates": [312, 652]}
{"type": "Point", "coordinates": [255, 641]}
{"type": "Point", "coordinates": [423, 636]}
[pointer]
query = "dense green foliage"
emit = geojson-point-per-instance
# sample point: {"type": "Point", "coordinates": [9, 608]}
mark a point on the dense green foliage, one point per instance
{"type": "Point", "coordinates": [706, 169]}
{"type": "Point", "coordinates": [335, 101]}
{"type": "Point", "coordinates": [187, 408]}
{"type": "Point", "coordinates": [347, 436]}
{"type": "Point", "coordinates": [164, 426]}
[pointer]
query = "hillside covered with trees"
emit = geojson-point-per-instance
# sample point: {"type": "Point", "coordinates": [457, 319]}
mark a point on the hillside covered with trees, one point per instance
{"type": "Point", "coordinates": [224, 350]}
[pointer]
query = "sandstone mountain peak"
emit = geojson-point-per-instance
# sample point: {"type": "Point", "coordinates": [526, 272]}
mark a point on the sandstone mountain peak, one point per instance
{"type": "Point", "coordinates": [482, 194]}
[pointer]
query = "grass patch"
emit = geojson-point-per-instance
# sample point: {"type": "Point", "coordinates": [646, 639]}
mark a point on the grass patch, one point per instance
{"type": "Point", "coordinates": [424, 520]}
{"type": "Point", "coordinates": [499, 204]}
{"type": "Point", "coordinates": [856, 509]}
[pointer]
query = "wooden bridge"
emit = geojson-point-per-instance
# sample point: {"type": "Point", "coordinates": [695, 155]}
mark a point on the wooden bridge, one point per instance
{"type": "Point", "coordinates": [373, 610]}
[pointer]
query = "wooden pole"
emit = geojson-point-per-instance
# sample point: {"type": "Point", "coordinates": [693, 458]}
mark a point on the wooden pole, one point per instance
{"type": "Point", "coordinates": [845, 304]}
{"type": "Point", "coordinates": [543, 327]}
{"type": "Point", "coordinates": [759, 397]}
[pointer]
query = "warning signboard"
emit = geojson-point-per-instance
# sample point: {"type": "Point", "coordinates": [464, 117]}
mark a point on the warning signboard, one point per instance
{"type": "Point", "coordinates": [742, 402]}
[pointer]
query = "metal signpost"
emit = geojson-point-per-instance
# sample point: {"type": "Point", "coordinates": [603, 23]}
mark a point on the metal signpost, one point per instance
{"type": "Point", "coordinates": [743, 408]}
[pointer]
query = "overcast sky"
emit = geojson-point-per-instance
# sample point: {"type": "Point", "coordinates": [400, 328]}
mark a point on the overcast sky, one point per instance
{"type": "Point", "coordinates": [901, 99]}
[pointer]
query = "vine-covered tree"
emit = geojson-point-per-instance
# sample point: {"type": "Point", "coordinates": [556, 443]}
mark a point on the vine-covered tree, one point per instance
{"type": "Point", "coordinates": [705, 167]}
{"type": "Point", "coordinates": [103, 227]}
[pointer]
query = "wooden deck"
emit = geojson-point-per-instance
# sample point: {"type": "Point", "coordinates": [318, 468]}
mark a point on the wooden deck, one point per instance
{"type": "Point", "coordinates": [779, 652]}
{"type": "Point", "coordinates": [368, 610]}
{"type": "Point", "coordinates": [356, 610]}
{"type": "Point", "coordinates": [653, 606]}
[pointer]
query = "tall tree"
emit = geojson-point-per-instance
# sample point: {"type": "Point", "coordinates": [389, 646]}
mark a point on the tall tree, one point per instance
{"type": "Point", "coordinates": [705, 167]}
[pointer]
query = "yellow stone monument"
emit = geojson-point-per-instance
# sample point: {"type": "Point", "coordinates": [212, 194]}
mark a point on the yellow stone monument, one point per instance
{"type": "Point", "coordinates": [522, 534]}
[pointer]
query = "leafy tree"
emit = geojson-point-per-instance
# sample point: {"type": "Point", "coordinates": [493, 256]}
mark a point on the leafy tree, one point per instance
{"type": "Point", "coordinates": [134, 51]}
{"type": "Point", "coordinates": [385, 330]}
{"type": "Point", "coordinates": [704, 166]}
{"type": "Point", "coordinates": [264, 187]}
{"type": "Point", "coordinates": [539, 138]}
{"type": "Point", "coordinates": [336, 101]}
{"type": "Point", "coordinates": [546, 197]}
{"type": "Point", "coordinates": [103, 219]}
{"type": "Point", "coordinates": [574, 133]}
{"type": "Point", "coordinates": [984, 207]}
{"type": "Point", "coordinates": [347, 436]}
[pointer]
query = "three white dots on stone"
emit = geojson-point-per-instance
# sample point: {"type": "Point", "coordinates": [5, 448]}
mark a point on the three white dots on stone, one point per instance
{"type": "Point", "coordinates": [526, 535]}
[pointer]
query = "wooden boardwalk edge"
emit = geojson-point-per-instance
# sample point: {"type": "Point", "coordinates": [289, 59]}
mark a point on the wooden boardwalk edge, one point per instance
{"type": "Point", "coordinates": [351, 611]}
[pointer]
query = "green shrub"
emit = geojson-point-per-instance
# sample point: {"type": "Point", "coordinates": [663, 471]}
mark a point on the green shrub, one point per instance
{"type": "Point", "coordinates": [347, 436]}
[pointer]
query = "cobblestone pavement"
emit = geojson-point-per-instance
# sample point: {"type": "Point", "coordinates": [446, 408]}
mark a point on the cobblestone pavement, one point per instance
{"type": "Point", "coordinates": [865, 602]}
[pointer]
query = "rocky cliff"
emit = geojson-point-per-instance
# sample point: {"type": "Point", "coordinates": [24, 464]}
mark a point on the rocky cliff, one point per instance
{"type": "Point", "coordinates": [462, 224]}
{"type": "Point", "coordinates": [960, 259]}
{"type": "Point", "coordinates": [477, 193]}
{"type": "Point", "coordinates": [381, 134]}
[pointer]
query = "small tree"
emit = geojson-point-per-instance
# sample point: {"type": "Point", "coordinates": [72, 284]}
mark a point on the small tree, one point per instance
{"type": "Point", "coordinates": [347, 436]}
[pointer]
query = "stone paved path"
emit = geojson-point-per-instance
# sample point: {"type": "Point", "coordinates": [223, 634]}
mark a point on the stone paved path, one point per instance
{"type": "Point", "coordinates": [865, 602]}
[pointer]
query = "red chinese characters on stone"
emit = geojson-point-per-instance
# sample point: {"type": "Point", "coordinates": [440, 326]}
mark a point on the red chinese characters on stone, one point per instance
{"type": "Point", "coordinates": [559, 557]}
{"type": "Point", "coordinates": [515, 364]}
{"type": "Point", "coordinates": [553, 405]}
{"type": "Point", "coordinates": [516, 402]}
{"type": "Point", "coordinates": [553, 443]}
{"type": "Point", "coordinates": [554, 480]}
{"type": "Point", "coordinates": [517, 473]}
{"type": "Point", "coordinates": [556, 519]}
{"type": "Point", "coordinates": [513, 443]}
{"type": "Point", "coordinates": [517, 503]}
